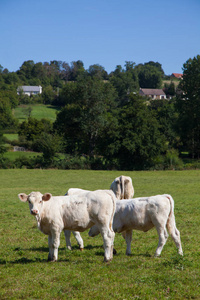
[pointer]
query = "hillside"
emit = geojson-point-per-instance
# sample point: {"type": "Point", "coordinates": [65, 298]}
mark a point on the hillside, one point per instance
{"type": "Point", "coordinates": [37, 111]}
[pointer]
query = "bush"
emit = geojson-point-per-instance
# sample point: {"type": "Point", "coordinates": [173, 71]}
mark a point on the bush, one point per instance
{"type": "Point", "coordinates": [172, 160]}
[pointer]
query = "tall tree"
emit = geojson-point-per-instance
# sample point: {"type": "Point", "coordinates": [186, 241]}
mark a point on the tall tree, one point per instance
{"type": "Point", "coordinates": [188, 105]}
{"type": "Point", "coordinates": [87, 104]}
{"type": "Point", "coordinates": [125, 81]}
{"type": "Point", "coordinates": [136, 140]}
{"type": "Point", "coordinates": [150, 76]}
{"type": "Point", "coordinates": [98, 72]}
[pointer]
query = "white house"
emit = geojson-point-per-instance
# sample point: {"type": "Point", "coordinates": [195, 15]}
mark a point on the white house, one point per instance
{"type": "Point", "coordinates": [29, 90]}
{"type": "Point", "coordinates": [153, 93]}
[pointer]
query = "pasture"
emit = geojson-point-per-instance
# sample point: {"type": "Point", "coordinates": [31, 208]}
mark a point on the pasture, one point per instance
{"type": "Point", "coordinates": [26, 274]}
{"type": "Point", "coordinates": [39, 111]}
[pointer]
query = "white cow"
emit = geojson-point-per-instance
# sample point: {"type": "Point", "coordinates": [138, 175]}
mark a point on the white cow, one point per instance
{"type": "Point", "coordinates": [75, 213]}
{"type": "Point", "coordinates": [75, 191]}
{"type": "Point", "coordinates": [122, 187]}
{"type": "Point", "coordinates": [144, 214]}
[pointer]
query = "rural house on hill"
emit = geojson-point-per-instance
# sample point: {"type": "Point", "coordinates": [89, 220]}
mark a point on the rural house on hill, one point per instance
{"type": "Point", "coordinates": [29, 90]}
{"type": "Point", "coordinates": [177, 75]}
{"type": "Point", "coordinates": [153, 93]}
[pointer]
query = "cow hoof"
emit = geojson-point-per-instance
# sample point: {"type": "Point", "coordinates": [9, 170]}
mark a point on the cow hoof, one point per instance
{"type": "Point", "coordinates": [156, 255]}
{"type": "Point", "coordinates": [107, 261]}
{"type": "Point", "coordinates": [81, 249]}
{"type": "Point", "coordinates": [51, 259]}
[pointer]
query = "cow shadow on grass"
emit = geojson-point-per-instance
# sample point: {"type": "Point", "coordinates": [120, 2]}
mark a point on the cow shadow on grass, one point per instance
{"type": "Point", "coordinates": [25, 260]}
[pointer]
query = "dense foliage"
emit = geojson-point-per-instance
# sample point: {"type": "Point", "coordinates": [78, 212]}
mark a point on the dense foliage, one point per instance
{"type": "Point", "coordinates": [102, 118]}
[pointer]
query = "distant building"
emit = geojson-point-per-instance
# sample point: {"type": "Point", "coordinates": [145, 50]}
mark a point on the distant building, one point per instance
{"type": "Point", "coordinates": [177, 75]}
{"type": "Point", "coordinates": [153, 93]}
{"type": "Point", "coordinates": [29, 90]}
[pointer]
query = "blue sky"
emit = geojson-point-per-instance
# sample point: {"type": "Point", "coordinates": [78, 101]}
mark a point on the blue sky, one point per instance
{"type": "Point", "coordinates": [106, 32]}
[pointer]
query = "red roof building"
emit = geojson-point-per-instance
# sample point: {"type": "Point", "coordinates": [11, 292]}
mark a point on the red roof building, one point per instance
{"type": "Point", "coordinates": [177, 75]}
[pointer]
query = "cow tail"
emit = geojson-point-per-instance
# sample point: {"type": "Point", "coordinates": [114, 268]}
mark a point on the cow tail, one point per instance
{"type": "Point", "coordinates": [114, 207]}
{"type": "Point", "coordinates": [171, 225]}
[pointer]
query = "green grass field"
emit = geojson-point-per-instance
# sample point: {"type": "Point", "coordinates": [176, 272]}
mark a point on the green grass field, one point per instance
{"type": "Point", "coordinates": [26, 274]}
{"type": "Point", "coordinates": [39, 111]}
{"type": "Point", "coordinates": [11, 136]}
{"type": "Point", "coordinates": [19, 154]}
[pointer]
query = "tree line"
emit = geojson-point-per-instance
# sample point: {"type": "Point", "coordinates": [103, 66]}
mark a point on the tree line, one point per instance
{"type": "Point", "coordinates": [102, 119]}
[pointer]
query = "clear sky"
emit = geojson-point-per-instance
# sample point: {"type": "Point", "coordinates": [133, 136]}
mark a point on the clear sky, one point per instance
{"type": "Point", "coordinates": [104, 32]}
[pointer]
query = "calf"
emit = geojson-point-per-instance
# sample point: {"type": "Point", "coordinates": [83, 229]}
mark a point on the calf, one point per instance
{"type": "Point", "coordinates": [122, 187]}
{"type": "Point", "coordinates": [75, 213]}
{"type": "Point", "coordinates": [144, 214]}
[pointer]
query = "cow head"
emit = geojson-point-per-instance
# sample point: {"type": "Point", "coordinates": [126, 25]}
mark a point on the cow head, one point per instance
{"type": "Point", "coordinates": [35, 200]}
{"type": "Point", "coordinates": [122, 187]}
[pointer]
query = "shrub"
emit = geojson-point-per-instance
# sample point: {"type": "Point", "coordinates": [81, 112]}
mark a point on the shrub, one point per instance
{"type": "Point", "coordinates": [172, 160]}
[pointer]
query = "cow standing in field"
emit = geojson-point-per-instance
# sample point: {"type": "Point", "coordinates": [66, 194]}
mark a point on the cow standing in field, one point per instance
{"type": "Point", "coordinates": [74, 191]}
{"type": "Point", "coordinates": [144, 214]}
{"type": "Point", "coordinates": [122, 187]}
{"type": "Point", "coordinates": [74, 213]}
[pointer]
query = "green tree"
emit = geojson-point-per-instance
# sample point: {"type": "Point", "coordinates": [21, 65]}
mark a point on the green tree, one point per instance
{"type": "Point", "coordinates": [2, 145]}
{"type": "Point", "coordinates": [48, 95]}
{"type": "Point", "coordinates": [25, 70]}
{"type": "Point", "coordinates": [125, 81]}
{"type": "Point", "coordinates": [33, 128]}
{"type": "Point", "coordinates": [98, 72]}
{"type": "Point", "coordinates": [170, 89]}
{"type": "Point", "coordinates": [136, 140]}
{"type": "Point", "coordinates": [188, 106]}
{"type": "Point", "coordinates": [87, 104]}
{"type": "Point", "coordinates": [149, 76]}
{"type": "Point", "coordinates": [49, 145]}
{"type": "Point", "coordinates": [166, 116]}
{"type": "Point", "coordinates": [6, 117]}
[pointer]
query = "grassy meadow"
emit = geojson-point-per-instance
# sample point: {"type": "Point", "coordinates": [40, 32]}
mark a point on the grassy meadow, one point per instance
{"type": "Point", "coordinates": [38, 112]}
{"type": "Point", "coordinates": [26, 274]}
{"type": "Point", "coordinates": [20, 154]}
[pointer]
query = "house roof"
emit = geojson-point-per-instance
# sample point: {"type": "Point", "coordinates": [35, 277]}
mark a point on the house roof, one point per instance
{"type": "Point", "coordinates": [177, 75]}
{"type": "Point", "coordinates": [155, 92]}
{"type": "Point", "coordinates": [28, 88]}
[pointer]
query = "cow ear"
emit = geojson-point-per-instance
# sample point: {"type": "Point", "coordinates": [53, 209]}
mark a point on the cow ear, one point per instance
{"type": "Point", "coordinates": [126, 180]}
{"type": "Point", "coordinates": [117, 180]}
{"type": "Point", "coordinates": [46, 196]}
{"type": "Point", "coordinates": [23, 197]}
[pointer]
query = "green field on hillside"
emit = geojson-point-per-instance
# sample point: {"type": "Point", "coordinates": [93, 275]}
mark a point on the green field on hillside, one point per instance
{"type": "Point", "coordinates": [25, 273]}
{"type": "Point", "coordinates": [12, 155]}
{"type": "Point", "coordinates": [39, 111]}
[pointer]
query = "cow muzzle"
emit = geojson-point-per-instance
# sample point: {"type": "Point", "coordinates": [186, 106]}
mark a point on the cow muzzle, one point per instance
{"type": "Point", "coordinates": [34, 212]}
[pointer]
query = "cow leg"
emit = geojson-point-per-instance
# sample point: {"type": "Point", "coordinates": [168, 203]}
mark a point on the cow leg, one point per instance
{"type": "Point", "coordinates": [54, 243]}
{"type": "Point", "coordinates": [175, 234]}
{"type": "Point", "coordinates": [50, 248]}
{"type": "Point", "coordinates": [162, 233]}
{"type": "Point", "coordinates": [78, 239]}
{"type": "Point", "coordinates": [112, 251]}
{"type": "Point", "coordinates": [108, 241]}
{"type": "Point", "coordinates": [67, 239]}
{"type": "Point", "coordinates": [128, 238]}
